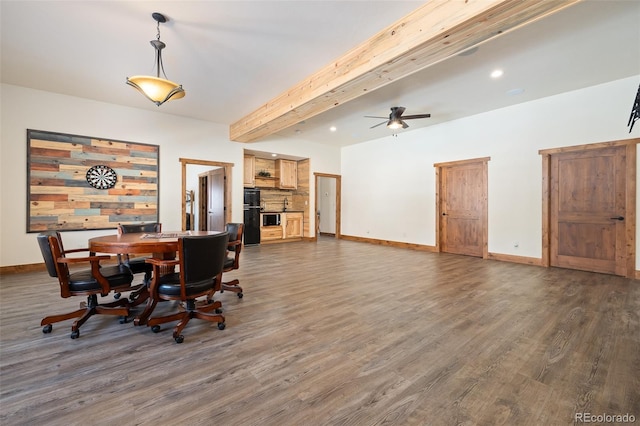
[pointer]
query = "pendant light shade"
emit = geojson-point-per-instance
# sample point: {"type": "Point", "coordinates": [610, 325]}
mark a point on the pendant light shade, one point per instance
{"type": "Point", "coordinates": [157, 90]}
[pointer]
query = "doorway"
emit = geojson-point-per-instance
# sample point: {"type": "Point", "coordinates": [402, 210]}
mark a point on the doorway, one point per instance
{"type": "Point", "coordinates": [462, 205]}
{"type": "Point", "coordinates": [211, 200]}
{"type": "Point", "coordinates": [328, 208]}
{"type": "Point", "coordinates": [226, 169]}
{"type": "Point", "coordinates": [589, 207]}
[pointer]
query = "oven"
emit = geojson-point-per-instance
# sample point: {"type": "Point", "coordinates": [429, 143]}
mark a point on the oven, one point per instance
{"type": "Point", "coordinates": [271, 219]}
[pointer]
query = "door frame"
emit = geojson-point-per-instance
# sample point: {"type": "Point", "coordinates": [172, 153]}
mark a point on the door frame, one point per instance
{"type": "Point", "coordinates": [338, 179]}
{"type": "Point", "coordinates": [228, 167]}
{"type": "Point", "coordinates": [485, 200]}
{"type": "Point", "coordinates": [630, 196]}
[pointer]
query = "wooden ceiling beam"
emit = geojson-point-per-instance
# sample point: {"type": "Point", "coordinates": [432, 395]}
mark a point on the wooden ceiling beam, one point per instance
{"type": "Point", "coordinates": [434, 32]}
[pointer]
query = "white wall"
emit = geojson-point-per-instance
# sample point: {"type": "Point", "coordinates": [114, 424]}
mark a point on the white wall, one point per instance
{"type": "Point", "coordinates": [178, 137]}
{"type": "Point", "coordinates": [388, 184]}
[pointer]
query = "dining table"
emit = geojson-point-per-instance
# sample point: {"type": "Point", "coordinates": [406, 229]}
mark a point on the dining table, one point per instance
{"type": "Point", "coordinates": [161, 245]}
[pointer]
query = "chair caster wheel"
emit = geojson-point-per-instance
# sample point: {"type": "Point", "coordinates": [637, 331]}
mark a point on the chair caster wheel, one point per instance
{"type": "Point", "coordinates": [179, 339]}
{"type": "Point", "coordinates": [123, 320]}
{"type": "Point", "coordinates": [221, 326]}
{"type": "Point", "coordinates": [240, 295]}
{"type": "Point", "coordinates": [218, 310]}
{"type": "Point", "coordinates": [75, 334]}
{"type": "Point", "coordinates": [47, 328]}
{"type": "Point", "coordinates": [155, 328]}
{"type": "Point", "coordinates": [116, 296]}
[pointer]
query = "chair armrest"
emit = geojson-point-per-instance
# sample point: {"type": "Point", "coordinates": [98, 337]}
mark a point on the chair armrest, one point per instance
{"type": "Point", "coordinates": [162, 262]}
{"type": "Point", "coordinates": [157, 264]}
{"type": "Point", "coordinates": [234, 243]}
{"type": "Point", "coordinates": [77, 250]}
{"type": "Point", "coordinates": [95, 269]}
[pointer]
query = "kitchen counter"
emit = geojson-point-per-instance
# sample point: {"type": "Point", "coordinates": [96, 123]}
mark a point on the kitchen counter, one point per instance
{"type": "Point", "coordinates": [281, 211]}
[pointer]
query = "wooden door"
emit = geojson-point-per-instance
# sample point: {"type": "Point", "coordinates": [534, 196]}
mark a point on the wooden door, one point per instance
{"type": "Point", "coordinates": [463, 207]}
{"type": "Point", "coordinates": [215, 200]}
{"type": "Point", "coordinates": [588, 210]}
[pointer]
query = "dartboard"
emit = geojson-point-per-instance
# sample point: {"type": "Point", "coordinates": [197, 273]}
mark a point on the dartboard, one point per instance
{"type": "Point", "coordinates": [102, 177]}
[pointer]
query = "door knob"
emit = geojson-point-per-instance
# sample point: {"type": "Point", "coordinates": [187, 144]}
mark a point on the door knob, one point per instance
{"type": "Point", "coordinates": [617, 218]}
{"type": "Point", "coordinates": [444, 214]}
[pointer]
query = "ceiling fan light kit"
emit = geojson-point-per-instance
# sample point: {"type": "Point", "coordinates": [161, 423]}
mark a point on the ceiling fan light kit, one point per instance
{"type": "Point", "coordinates": [158, 90]}
{"type": "Point", "coordinates": [396, 119]}
{"type": "Point", "coordinates": [396, 124]}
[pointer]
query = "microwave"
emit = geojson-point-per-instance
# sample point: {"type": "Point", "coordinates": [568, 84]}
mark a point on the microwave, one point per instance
{"type": "Point", "coordinates": [271, 219]}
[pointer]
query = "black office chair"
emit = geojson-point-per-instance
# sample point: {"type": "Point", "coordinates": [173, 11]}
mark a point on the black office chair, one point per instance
{"type": "Point", "coordinates": [232, 260]}
{"type": "Point", "coordinates": [138, 265]}
{"type": "Point", "coordinates": [201, 260]}
{"type": "Point", "coordinates": [97, 280]}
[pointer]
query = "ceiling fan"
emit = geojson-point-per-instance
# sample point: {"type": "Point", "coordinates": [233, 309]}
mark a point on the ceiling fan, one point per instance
{"type": "Point", "coordinates": [396, 118]}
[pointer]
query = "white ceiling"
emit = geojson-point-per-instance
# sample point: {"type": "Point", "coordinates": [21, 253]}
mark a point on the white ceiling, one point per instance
{"type": "Point", "coordinates": [233, 56]}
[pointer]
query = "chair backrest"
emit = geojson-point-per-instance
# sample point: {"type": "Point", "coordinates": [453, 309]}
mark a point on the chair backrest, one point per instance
{"type": "Point", "coordinates": [202, 257]}
{"type": "Point", "coordinates": [235, 231]}
{"type": "Point", "coordinates": [132, 228]}
{"type": "Point", "coordinates": [47, 253]}
{"type": "Point", "coordinates": [50, 243]}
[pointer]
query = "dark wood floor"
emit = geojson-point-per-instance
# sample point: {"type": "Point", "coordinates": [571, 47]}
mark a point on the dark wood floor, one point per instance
{"type": "Point", "coordinates": [338, 333]}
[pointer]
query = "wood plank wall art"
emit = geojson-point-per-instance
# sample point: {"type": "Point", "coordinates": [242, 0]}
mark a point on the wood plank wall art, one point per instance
{"type": "Point", "coordinates": [121, 187]}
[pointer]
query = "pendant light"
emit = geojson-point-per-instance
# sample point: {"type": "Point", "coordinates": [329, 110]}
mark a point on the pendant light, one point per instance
{"type": "Point", "coordinates": [157, 90]}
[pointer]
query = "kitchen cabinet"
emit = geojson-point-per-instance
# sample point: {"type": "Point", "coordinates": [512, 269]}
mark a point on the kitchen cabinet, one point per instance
{"type": "Point", "coordinates": [249, 171]}
{"type": "Point", "coordinates": [290, 228]}
{"type": "Point", "coordinates": [270, 233]}
{"type": "Point", "coordinates": [287, 174]}
{"type": "Point", "coordinates": [293, 225]}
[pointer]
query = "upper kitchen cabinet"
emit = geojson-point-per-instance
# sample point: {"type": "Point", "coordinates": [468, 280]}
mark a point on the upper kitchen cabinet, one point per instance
{"type": "Point", "coordinates": [249, 171]}
{"type": "Point", "coordinates": [287, 174]}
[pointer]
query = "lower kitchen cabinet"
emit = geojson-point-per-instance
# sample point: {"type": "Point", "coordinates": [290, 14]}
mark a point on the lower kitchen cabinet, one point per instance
{"type": "Point", "coordinates": [290, 228]}
{"type": "Point", "coordinates": [268, 233]}
{"type": "Point", "coordinates": [293, 225]}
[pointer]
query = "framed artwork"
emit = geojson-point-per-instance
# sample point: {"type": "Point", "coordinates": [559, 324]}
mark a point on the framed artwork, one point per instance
{"type": "Point", "coordinates": [79, 183]}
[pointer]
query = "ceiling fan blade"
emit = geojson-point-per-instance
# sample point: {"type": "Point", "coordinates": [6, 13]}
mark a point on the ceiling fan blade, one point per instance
{"type": "Point", "coordinates": [374, 116]}
{"type": "Point", "coordinates": [404, 125]}
{"type": "Point", "coordinates": [411, 117]}
{"type": "Point", "coordinates": [379, 124]}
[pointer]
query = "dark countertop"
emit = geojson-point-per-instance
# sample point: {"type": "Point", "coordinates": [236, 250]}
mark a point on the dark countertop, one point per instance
{"type": "Point", "coordinates": [280, 211]}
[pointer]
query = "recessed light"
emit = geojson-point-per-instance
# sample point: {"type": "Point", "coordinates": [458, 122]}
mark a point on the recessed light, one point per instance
{"type": "Point", "coordinates": [497, 73]}
{"type": "Point", "coordinates": [333, 128]}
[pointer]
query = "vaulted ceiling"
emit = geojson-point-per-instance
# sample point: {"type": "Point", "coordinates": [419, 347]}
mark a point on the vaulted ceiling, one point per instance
{"type": "Point", "coordinates": [232, 57]}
